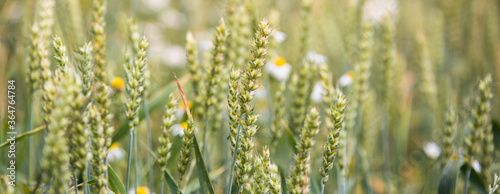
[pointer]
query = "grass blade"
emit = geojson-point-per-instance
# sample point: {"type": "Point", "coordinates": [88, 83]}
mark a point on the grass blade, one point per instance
{"type": "Point", "coordinates": [23, 135]}
{"type": "Point", "coordinates": [115, 184]}
{"type": "Point", "coordinates": [205, 184]}
{"type": "Point", "coordinates": [172, 185]}
{"type": "Point", "coordinates": [448, 178]}
{"type": "Point", "coordinates": [214, 175]}
{"type": "Point", "coordinates": [235, 152]}
{"type": "Point", "coordinates": [476, 181]}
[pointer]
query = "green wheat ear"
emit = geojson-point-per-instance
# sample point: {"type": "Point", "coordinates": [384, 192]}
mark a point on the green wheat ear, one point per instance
{"type": "Point", "coordinates": [233, 106]}
{"type": "Point", "coordinates": [448, 129]}
{"type": "Point", "coordinates": [55, 159]}
{"type": "Point", "coordinates": [298, 182]}
{"type": "Point", "coordinates": [250, 83]}
{"type": "Point", "coordinates": [197, 75]}
{"type": "Point", "coordinates": [165, 141]}
{"type": "Point", "coordinates": [480, 116]}
{"type": "Point", "coordinates": [334, 136]}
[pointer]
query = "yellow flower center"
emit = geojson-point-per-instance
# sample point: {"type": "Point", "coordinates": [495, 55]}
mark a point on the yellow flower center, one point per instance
{"type": "Point", "coordinates": [115, 146]}
{"type": "Point", "coordinates": [181, 105]}
{"type": "Point", "coordinates": [279, 61]}
{"type": "Point", "coordinates": [350, 74]}
{"type": "Point", "coordinates": [142, 190]}
{"type": "Point", "coordinates": [118, 84]}
{"type": "Point", "coordinates": [184, 125]}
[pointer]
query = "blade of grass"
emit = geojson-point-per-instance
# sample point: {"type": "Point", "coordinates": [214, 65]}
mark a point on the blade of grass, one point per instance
{"type": "Point", "coordinates": [23, 135]}
{"type": "Point", "coordinates": [148, 134]}
{"type": "Point", "coordinates": [448, 178]}
{"type": "Point", "coordinates": [115, 184]}
{"type": "Point", "coordinates": [214, 175]}
{"type": "Point", "coordinates": [475, 179]}
{"type": "Point", "coordinates": [172, 185]}
{"type": "Point", "coordinates": [291, 137]}
{"type": "Point", "coordinates": [205, 183]}
{"type": "Point", "coordinates": [235, 152]}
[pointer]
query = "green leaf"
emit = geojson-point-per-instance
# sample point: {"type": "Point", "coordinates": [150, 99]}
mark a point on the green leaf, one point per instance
{"type": "Point", "coordinates": [292, 139]}
{"type": "Point", "coordinates": [115, 184]}
{"type": "Point", "coordinates": [315, 188]}
{"type": "Point", "coordinates": [475, 179]}
{"type": "Point", "coordinates": [172, 185]}
{"type": "Point", "coordinates": [194, 185]}
{"type": "Point", "coordinates": [448, 178]}
{"type": "Point", "coordinates": [283, 180]}
{"type": "Point", "coordinates": [496, 133]}
{"type": "Point", "coordinates": [205, 184]}
{"type": "Point", "coordinates": [23, 135]}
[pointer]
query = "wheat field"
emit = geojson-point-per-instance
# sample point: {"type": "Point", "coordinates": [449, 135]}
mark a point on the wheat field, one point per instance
{"type": "Point", "coordinates": [249, 96]}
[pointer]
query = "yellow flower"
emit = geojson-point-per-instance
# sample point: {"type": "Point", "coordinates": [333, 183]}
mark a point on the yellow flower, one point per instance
{"type": "Point", "coordinates": [184, 125]}
{"type": "Point", "coordinates": [118, 84]}
{"type": "Point", "coordinates": [140, 190]}
{"type": "Point", "coordinates": [279, 61]}
{"type": "Point", "coordinates": [279, 68]}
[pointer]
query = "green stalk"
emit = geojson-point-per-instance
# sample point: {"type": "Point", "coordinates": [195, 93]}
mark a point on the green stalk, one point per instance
{"type": "Point", "coordinates": [340, 183]}
{"type": "Point", "coordinates": [148, 133]}
{"type": "Point", "coordinates": [235, 152]}
{"type": "Point", "coordinates": [135, 160]}
{"type": "Point", "coordinates": [30, 126]}
{"type": "Point", "coordinates": [467, 177]}
{"type": "Point", "coordinates": [75, 183]}
{"type": "Point", "coordinates": [130, 142]}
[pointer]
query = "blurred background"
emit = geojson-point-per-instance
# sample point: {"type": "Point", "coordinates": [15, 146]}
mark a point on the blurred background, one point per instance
{"type": "Point", "coordinates": [462, 37]}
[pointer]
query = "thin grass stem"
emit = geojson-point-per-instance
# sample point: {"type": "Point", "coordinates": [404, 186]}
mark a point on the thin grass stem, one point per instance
{"type": "Point", "coordinates": [235, 152]}
{"type": "Point", "coordinates": [75, 183]}
{"type": "Point", "coordinates": [135, 161]}
{"type": "Point", "coordinates": [467, 177]}
{"type": "Point", "coordinates": [148, 134]}
{"type": "Point", "coordinates": [130, 142]}
{"type": "Point", "coordinates": [30, 126]}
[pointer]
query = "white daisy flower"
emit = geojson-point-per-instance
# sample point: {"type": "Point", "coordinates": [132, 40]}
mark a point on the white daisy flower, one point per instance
{"type": "Point", "coordinates": [153, 32]}
{"type": "Point", "coordinates": [476, 166]}
{"type": "Point", "coordinates": [174, 56]}
{"type": "Point", "coordinates": [432, 150]}
{"type": "Point", "coordinates": [378, 10]}
{"type": "Point", "coordinates": [179, 112]}
{"type": "Point", "coordinates": [317, 93]}
{"type": "Point", "coordinates": [115, 152]}
{"type": "Point", "coordinates": [346, 79]}
{"type": "Point", "coordinates": [140, 190]}
{"type": "Point", "coordinates": [279, 68]}
{"type": "Point", "coordinates": [178, 129]}
{"type": "Point", "coordinates": [172, 19]}
{"type": "Point", "coordinates": [279, 36]}
{"type": "Point", "coordinates": [315, 57]}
